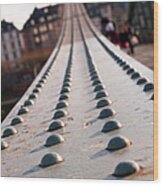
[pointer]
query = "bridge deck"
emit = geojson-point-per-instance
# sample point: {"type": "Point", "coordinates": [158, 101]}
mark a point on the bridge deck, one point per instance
{"type": "Point", "coordinates": [84, 147]}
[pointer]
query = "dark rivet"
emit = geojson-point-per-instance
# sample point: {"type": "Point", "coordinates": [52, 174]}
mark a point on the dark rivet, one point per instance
{"type": "Point", "coordinates": [56, 125]}
{"type": "Point", "coordinates": [33, 96]}
{"type": "Point", "coordinates": [101, 94]}
{"type": "Point", "coordinates": [106, 113]}
{"type": "Point", "coordinates": [63, 97]}
{"type": "Point", "coordinates": [65, 90]}
{"type": "Point", "coordinates": [152, 97]}
{"type": "Point", "coordinates": [23, 110]}
{"type": "Point", "coordinates": [66, 84]}
{"type": "Point", "coordinates": [37, 90]}
{"type": "Point", "coordinates": [43, 81]}
{"type": "Point", "coordinates": [130, 71]}
{"type": "Point", "coordinates": [93, 73]}
{"type": "Point", "coordinates": [59, 114]}
{"type": "Point", "coordinates": [39, 85]}
{"type": "Point", "coordinates": [28, 102]}
{"type": "Point", "coordinates": [103, 103]}
{"type": "Point", "coordinates": [54, 140]}
{"type": "Point", "coordinates": [4, 145]}
{"type": "Point", "coordinates": [50, 159]}
{"type": "Point", "coordinates": [126, 168]}
{"type": "Point", "coordinates": [122, 63]}
{"type": "Point", "coordinates": [148, 87]}
{"type": "Point", "coordinates": [61, 104]}
{"type": "Point", "coordinates": [111, 125]}
{"type": "Point", "coordinates": [126, 67]}
{"type": "Point", "coordinates": [96, 82]}
{"type": "Point", "coordinates": [117, 143]}
{"type": "Point", "coordinates": [141, 81]}
{"type": "Point", "coordinates": [98, 87]}
{"type": "Point", "coordinates": [94, 77]}
{"type": "Point", "coordinates": [9, 131]}
{"type": "Point", "coordinates": [67, 80]}
{"type": "Point", "coordinates": [135, 75]}
{"type": "Point", "coordinates": [17, 120]}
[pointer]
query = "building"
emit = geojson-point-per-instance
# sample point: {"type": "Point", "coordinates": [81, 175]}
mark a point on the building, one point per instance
{"type": "Point", "coordinates": [11, 49]}
{"type": "Point", "coordinates": [43, 27]}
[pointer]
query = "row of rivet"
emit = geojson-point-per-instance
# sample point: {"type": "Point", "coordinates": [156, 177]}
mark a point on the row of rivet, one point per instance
{"type": "Point", "coordinates": [54, 158]}
{"type": "Point", "coordinates": [9, 131]}
{"type": "Point", "coordinates": [116, 143]}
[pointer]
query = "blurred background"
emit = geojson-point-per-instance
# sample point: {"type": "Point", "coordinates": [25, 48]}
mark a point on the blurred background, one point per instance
{"type": "Point", "coordinates": [30, 32]}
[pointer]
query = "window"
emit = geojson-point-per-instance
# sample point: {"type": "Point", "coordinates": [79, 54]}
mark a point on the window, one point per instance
{"type": "Point", "coordinates": [50, 25]}
{"type": "Point", "coordinates": [37, 40]}
{"type": "Point", "coordinates": [42, 19]}
{"type": "Point", "coordinates": [35, 31]}
{"type": "Point", "coordinates": [46, 10]}
{"type": "Point", "coordinates": [6, 57]}
{"type": "Point", "coordinates": [44, 37]}
{"type": "Point", "coordinates": [43, 28]}
{"type": "Point", "coordinates": [49, 18]}
{"type": "Point", "coordinates": [32, 22]}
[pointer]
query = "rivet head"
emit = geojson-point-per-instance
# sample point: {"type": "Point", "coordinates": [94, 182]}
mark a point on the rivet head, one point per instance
{"type": "Point", "coordinates": [9, 131]}
{"type": "Point", "coordinates": [135, 75]}
{"type": "Point", "coordinates": [141, 81]}
{"type": "Point", "coordinates": [101, 94]}
{"type": "Point", "coordinates": [67, 80]}
{"type": "Point", "coordinates": [105, 113]}
{"type": "Point", "coordinates": [36, 90]}
{"type": "Point", "coordinates": [43, 81]}
{"type": "Point", "coordinates": [98, 88]}
{"type": "Point", "coordinates": [23, 110]}
{"type": "Point", "coordinates": [103, 103]}
{"type": "Point", "coordinates": [64, 97]}
{"type": "Point", "coordinates": [4, 145]}
{"type": "Point", "coordinates": [29, 102]}
{"type": "Point", "coordinates": [126, 168]}
{"type": "Point", "coordinates": [117, 143]}
{"type": "Point", "coordinates": [96, 82]}
{"type": "Point", "coordinates": [55, 125]}
{"type": "Point", "coordinates": [17, 120]}
{"type": "Point", "coordinates": [50, 159]}
{"type": "Point", "coordinates": [67, 84]}
{"type": "Point", "coordinates": [59, 114]}
{"type": "Point", "coordinates": [148, 87]}
{"type": "Point", "coordinates": [40, 85]}
{"type": "Point", "coordinates": [62, 104]}
{"type": "Point", "coordinates": [122, 63]}
{"type": "Point", "coordinates": [94, 77]}
{"type": "Point", "coordinates": [33, 96]}
{"type": "Point", "coordinates": [125, 67]}
{"type": "Point", "coordinates": [65, 90]}
{"type": "Point", "coordinates": [130, 71]}
{"type": "Point", "coordinates": [111, 125]}
{"type": "Point", "coordinates": [54, 140]}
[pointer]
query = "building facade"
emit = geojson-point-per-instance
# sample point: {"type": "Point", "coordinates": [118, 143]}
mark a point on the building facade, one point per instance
{"type": "Point", "coordinates": [11, 50]}
{"type": "Point", "coordinates": [43, 27]}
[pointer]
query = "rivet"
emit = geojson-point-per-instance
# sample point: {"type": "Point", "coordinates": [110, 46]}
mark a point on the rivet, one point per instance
{"type": "Point", "coordinates": [130, 71]}
{"type": "Point", "coordinates": [66, 84]}
{"type": "Point", "coordinates": [141, 81]}
{"type": "Point", "coordinates": [54, 140]}
{"type": "Point", "coordinates": [148, 87]}
{"type": "Point", "coordinates": [126, 168]}
{"type": "Point", "coordinates": [43, 80]}
{"type": "Point", "coordinates": [96, 82]}
{"type": "Point", "coordinates": [111, 125]}
{"type": "Point", "coordinates": [9, 131]}
{"type": "Point", "coordinates": [55, 125]}
{"type": "Point", "coordinates": [36, 90]}
{"type": "Point", "coordinates": [33, 96]}
{"type": "Point", "coordinates": [94, 77]}
{"type": "Point", "coordinates": [106, 113]}
{"type": "Point", "coordinates": [135, 75]}
{"type": "Point", "coordinates": [39, 85]}
{"type": "Point", "coordinates": [122, 63]}
{"type": "Point", "coordinates": [17, 120]}
{"type": "Point", "coordinates": [59, 114]}
{"type": "Point", "coordinates": [28, 102]}
{"type": "Point", "coordinates": [101, 94]}
{"type": "Point", "coordinates": [63, 97]}
{"type": "Point", "coordinates": [98, 87]}
{"type": "Point", "coordinates": [61, 104]}
{"type": "Point", "coordinates": [4, 145]}
{"type": "Point", "coordinates": [65, 90]}
{"type": "Point", "coordinates": [50, 159]}
{"type": "Point", "coordinates": [67, 80]}
{"type": "Point", "coordinates": [103, 103]}
{"type": "Point", "coordinates": [126, 67]}
{"type": "Point", "coordinates": [117, 143]}
{"type": "Point", "coordinates": [23, 110]}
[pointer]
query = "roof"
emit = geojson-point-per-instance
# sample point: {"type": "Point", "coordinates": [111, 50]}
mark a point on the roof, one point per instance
{"type": "Point", "coordinates": [7, 26]}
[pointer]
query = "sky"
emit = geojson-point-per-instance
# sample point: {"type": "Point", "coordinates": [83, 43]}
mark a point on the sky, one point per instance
{"type": "Point", "coordinates": [19, 13]}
